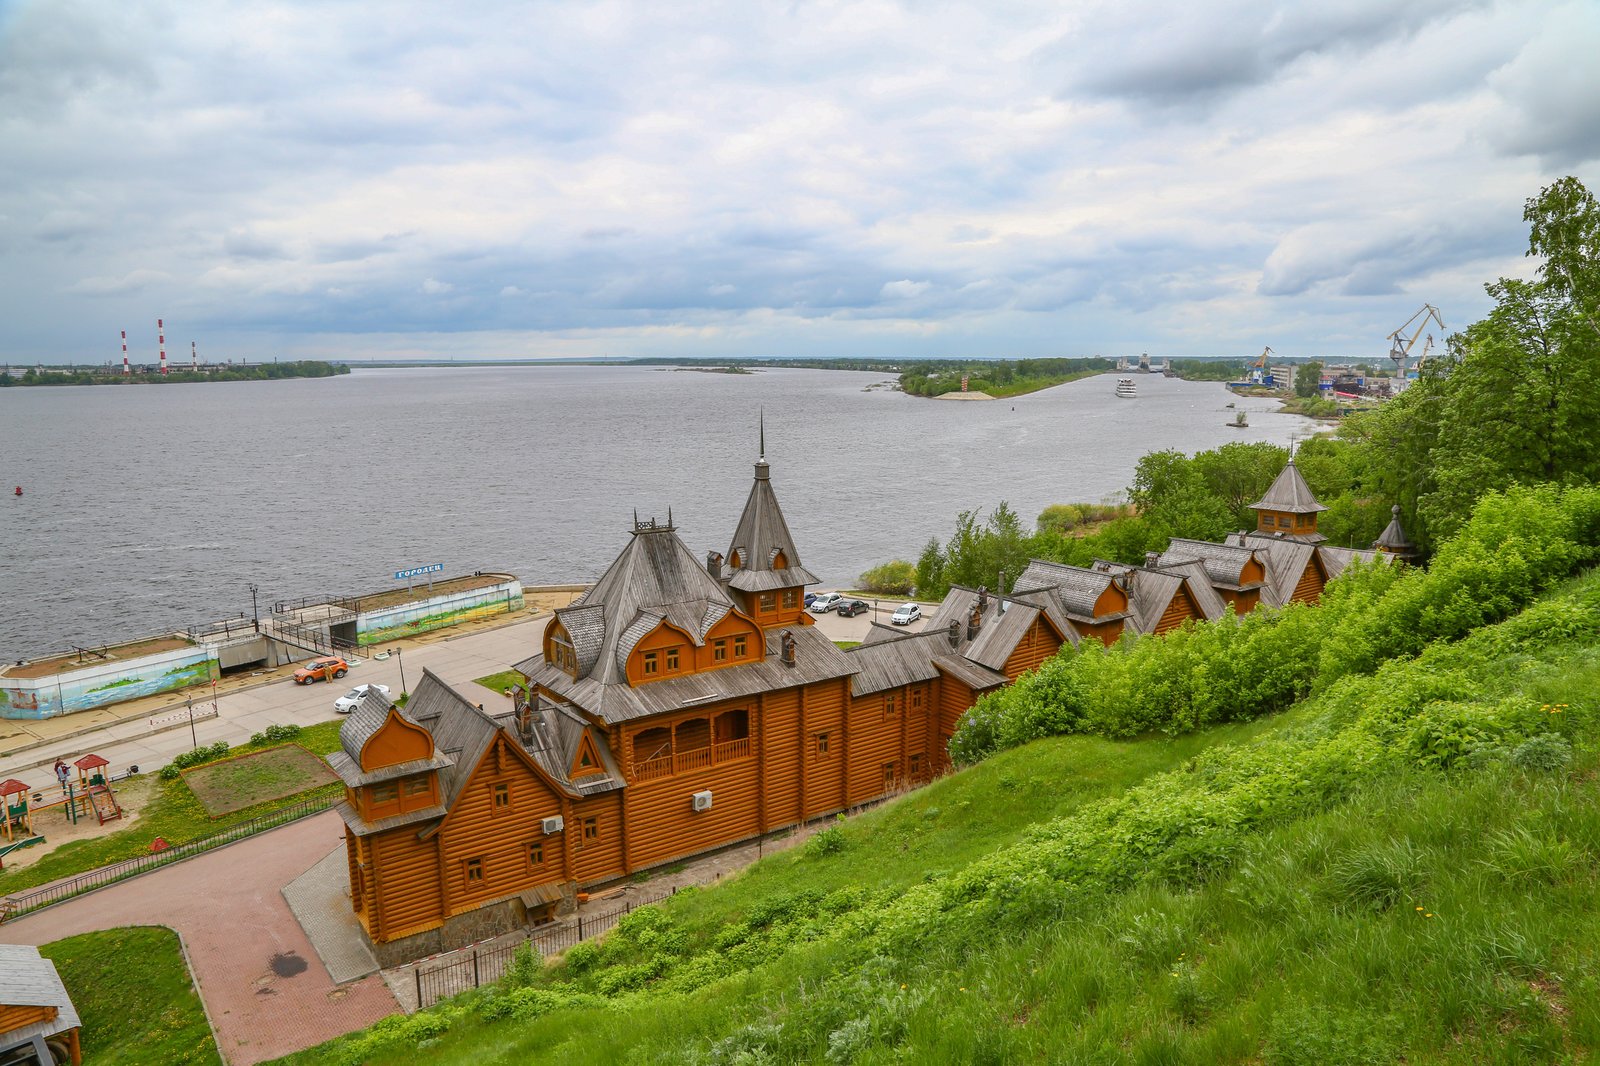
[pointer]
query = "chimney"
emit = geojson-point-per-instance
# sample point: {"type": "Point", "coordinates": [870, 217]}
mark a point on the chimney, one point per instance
{"type": "Point", "coordinates": [714, 564]}
{"type": "Point", "coordinates": [787, 647]}
{"type": "Point", "coordinates": [983, 598]}
{"type": "Point", "coordinates": [1152, 559]}
{"type": "Point", "coordinates": [975, 620]}
{"type": "Point", "coordinates": [954, 633]}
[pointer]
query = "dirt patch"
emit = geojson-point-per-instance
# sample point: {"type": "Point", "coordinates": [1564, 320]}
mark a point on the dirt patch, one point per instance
{"type": "Point", "coordinates": [74, 660]}
{"type": "Point", "coordinates": [51, 822]}
{"type": "Point", "coordinates": [234, 784]}
{"type": "Point", "coordinates": [420, 590]}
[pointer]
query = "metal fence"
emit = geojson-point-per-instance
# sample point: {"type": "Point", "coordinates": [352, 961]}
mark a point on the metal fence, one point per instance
{"type": "Point", "coordinates": [24, 902]}
{"type": "Point", "coordinates": [488, 964]}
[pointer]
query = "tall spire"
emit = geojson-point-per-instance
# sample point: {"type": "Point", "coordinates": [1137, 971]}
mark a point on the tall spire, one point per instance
{"type": "Point", "coordinates": [763, 472]}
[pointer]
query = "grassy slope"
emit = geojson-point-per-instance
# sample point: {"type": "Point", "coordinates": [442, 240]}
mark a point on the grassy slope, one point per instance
{"type": "Point", "coordinates": [173, 813]}
{"type": "Point", "coordinates": [1295, 938]}
{"type": "Point", "coordinates": [132, 990]}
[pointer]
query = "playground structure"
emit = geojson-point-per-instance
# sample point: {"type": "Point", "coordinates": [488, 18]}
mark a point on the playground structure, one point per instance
{"type": "Point", "coordinates": [91, 794]}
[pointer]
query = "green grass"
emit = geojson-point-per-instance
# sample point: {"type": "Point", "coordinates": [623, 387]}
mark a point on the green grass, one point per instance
{"type": "Point", "coordinates": [502, 681]}
{"type": "Point", "coordinates": [171, 812]}
{"type": "Point", "coordinates": [133, 992]}
{"type": "Point", "coordinates": [846, 645]}
{"type": "Point", "coordinates": [1379, 874]}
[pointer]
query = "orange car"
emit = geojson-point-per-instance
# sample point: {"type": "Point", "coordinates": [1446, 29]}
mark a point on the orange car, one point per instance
{"type": "Point", "coordinates": [324, 669]}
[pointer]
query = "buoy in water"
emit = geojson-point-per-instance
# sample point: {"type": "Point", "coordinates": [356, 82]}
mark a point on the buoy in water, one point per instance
{"type": "Point", "coordinates": [18, 492]}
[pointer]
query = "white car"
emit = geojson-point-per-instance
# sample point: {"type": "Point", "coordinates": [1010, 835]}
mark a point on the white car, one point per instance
{"type": "Point", "coordinates": [905, 614]}
{"type": "Point", "coordinates": [347, 703]}
{"type": "Point", "coordinates": [826, 602]}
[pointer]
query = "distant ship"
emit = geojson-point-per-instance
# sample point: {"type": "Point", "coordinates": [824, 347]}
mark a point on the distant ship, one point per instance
{"type": "Point", "coordinates": [1126, 389]}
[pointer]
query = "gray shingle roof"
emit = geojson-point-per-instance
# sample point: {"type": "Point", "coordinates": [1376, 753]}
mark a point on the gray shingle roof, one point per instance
{"type": "Point", "coordinates": [1393, 537]}
{"type": "Point", "coordinates": [1334, 560]}
{"type": "Point", "coordinates": [1289, 493]}
{"type": "Point", "coordinates": [350, 772]}
{"type": "Point", "coordinates": [1001, 630]}
{"type": "Point", "coordinates": [1206, 597]}
{"type": "Point", "coordinates": [1080, 588]}
{"type": "Point", "coordinates": [364, 720]}
{"type": "Point", "coordinates": [760, 535]}
{"type": "Point", "coordinates": [1224, 563]}
{"type": "Point", "coordinates": [1286, 562]}
{"type": "Point", "coordinates": [555, 732]}
{"type": "Point", "coordinates": [816, 659]}
{"type": "Point", "coordinates": [28, 979]}
{"type": "Point", "coordinates": [655, 575]}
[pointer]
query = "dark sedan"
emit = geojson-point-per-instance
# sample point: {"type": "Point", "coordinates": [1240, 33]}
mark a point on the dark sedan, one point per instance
{"type": "Point", "coordinates": [851, 608]}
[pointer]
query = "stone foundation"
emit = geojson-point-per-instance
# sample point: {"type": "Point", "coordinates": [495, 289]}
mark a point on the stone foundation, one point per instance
{"type": "Point", "coordinates": [490, 920]}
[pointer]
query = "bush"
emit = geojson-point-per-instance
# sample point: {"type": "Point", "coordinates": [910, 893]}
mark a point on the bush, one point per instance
{"type": "Point", "coordinates": [828, 842]}
{"type": "Point", "coordinates": [1546, 752]}
{"type": "Point", "coordinates": [275, 734]}
{"type": "Point", "coordinates": [210, 753]}
{"type": "Point", "coordinates": [896, 578]}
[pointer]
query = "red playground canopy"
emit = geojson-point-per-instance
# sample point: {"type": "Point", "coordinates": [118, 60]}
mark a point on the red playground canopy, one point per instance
{"type": "Point", "coordinates": [13, 786]}
{"type": "Point", "coordinates": [91, 761]}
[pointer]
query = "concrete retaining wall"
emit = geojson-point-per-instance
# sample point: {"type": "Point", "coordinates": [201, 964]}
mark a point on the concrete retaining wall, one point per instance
{"type": "Point", "coordinates": [95, 685]}
{"type": "Point", "coordinates": [420, 616]}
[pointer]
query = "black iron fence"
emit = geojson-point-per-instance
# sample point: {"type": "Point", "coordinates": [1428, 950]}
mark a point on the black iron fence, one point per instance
{"type": "Point", "coordinates": [486, 965]}
{"type": "Point", "coordinates": [24, 902]}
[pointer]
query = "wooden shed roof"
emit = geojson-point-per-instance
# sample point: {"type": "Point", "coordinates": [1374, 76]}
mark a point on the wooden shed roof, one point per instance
{"type": "Point", "coordinates": [28, 979]}
{"type": "Point", "coordinates": [1224, 563]}
{"type": "Point", "coordinates": [1393, 537]}
{"type": "Point", "coordinates": [1080, 588]}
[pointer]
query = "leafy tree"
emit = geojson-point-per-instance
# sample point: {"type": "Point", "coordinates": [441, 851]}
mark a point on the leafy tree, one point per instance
{"type": "Point", "coordinates": [1307, 379]}
{"type": "Point", "coordinates": [930, 571]}
{"type": "Point", "coordinates": [1060, 518]}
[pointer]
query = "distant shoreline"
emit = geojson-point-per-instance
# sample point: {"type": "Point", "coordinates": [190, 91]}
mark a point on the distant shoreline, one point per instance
{"type": "Point", "coordinates": [34, 378]}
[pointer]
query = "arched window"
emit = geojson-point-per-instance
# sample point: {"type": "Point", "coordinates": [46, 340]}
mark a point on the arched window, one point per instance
{"type": "Point", "coordinates": [732, 725]}
{"type": "Point", "coordinates": [780, 561]}
{"type": "Point", "coordinates": [695, 733]}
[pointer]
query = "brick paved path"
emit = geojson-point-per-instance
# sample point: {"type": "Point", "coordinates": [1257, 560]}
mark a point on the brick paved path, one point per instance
{"type": "Point", "coordinates": [267, 992]}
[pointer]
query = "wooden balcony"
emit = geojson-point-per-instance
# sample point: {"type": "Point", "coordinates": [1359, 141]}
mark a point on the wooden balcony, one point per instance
{"type": "Point", "coordinates": [693, 759]}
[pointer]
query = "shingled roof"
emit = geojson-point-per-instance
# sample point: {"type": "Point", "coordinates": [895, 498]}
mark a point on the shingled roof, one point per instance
{"type": "Point", "coordinates": [28, 979]}
{"type": "Point", "coordinates": [897, 658]}
{"type": "Point", "coordinates": [816, 659]}
{"type": "Point", "coordinates": [1224, 563]}
{"type": "Point", "coordinates": [758, 539]}
{"type": "Point", "coordinates": [1079, 588]}
{"type": "Point", "coordinates": [655, 578]}
{"type": "Point", "coordinates": [1289, 494]}
{"type": "Point", "coordinates": [1393, 538]}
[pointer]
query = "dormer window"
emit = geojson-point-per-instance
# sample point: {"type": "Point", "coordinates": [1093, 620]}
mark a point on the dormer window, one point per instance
{"type": "Point", "coordinates": [562, 654]}
{"type": "Point", "coordinates": [741, 646]}
{"type": "Point", "coordinates": [652, 663]}
{"type": "Point", "coordinates": [736, 560]}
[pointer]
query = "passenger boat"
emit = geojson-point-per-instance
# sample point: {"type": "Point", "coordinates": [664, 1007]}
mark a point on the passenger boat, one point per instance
{"type": "Point", "coordinates": [1126, 389]}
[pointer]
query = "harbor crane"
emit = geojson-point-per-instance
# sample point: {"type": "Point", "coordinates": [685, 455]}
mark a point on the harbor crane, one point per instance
{"type": "Point", "coordinates": [1401, 344]}
{"type": "Point", "coordinates": [1260, 373]}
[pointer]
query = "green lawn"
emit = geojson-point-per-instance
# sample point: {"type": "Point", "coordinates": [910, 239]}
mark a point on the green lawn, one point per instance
{"type": "Point", "coordinates": [502, 681]}
{"type": "Point", "coordinates": [171, 812]}
{"type": "Point", "coordinates": [133, 992]}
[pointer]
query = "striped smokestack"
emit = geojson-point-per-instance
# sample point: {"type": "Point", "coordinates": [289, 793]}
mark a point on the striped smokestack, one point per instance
{"type": "Point", "coordinates": [161, 336]}
{"type": "Point", "coordinates": [125, 370]}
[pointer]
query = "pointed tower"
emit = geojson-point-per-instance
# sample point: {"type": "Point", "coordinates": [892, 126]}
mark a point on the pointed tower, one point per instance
{"type": "Point", "coordinates": [763, 566]}
{"type": "Point", "coordinates": [1392, 541]}
{"type": "Point", "coordinates": [1288, 511]}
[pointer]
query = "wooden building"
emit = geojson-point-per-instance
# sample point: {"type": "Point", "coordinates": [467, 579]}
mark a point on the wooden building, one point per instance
{"type": "Point", "coordinates": [686, 703]}
{"type": "Point", "coordinates": [35, 1010]}
{"type": "Point", "coordinates": [1300, 562]}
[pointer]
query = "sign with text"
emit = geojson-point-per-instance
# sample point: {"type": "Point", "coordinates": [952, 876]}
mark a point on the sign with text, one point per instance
{"type": "Point", "coordinates": [417, 571]}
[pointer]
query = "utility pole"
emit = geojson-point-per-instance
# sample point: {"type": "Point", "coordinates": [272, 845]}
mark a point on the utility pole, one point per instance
{"type": "Point", "coordinates": [402, 663]}
{"type": "Point", "coordinates": [194, 741]}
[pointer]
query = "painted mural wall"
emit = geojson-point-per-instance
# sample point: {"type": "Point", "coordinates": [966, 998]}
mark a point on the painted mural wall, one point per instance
{"type": "Point", "coordinates": [447, 610]}
{"type": "Point", "coordinates": [94, 686]}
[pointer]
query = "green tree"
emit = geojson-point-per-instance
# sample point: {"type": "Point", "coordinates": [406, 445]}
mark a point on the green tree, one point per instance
{"type": "Point", "coordinates": [930, 571]}
{"type": "Point", "coordinates": [1307, 379]}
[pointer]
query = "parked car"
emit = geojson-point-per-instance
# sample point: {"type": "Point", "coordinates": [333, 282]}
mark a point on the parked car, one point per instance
{"type": "Point", "coordinates": [347, 703]}
{"type": "Point", "coordinates": [851, 608]}
{"type": "Point", "coordinates": [811, 597]}
{"type": "Point", "coordinates": [905, 614]}
{"type": "Point", "coordinates": [826, 602]}
{"type": "Point", "coordinates": [324, 669]}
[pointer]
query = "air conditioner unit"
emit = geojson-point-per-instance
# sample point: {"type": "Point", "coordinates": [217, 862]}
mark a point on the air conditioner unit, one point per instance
{"type": "Point", "coordinates": [702, 800]}
{"type": "Point", "coordinates": [554, 825]}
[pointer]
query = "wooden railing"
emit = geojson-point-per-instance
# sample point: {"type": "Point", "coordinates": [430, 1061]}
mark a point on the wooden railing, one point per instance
{"type": "Point", "coordinates": [694, 759]}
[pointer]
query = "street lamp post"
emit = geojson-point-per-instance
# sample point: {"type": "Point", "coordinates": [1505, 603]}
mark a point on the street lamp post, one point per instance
{"type": "Point", "coordinates": [194, 741]}
{"type": "Point", "coordinates": [402, 662]}
{"type": "Point", "coordinates": [255, 612]}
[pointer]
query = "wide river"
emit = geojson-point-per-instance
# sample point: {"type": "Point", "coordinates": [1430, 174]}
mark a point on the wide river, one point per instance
{"type": "Point", "coordinates": [147, 509]}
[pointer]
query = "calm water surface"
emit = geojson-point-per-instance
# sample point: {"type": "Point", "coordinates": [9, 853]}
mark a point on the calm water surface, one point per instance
{"type": "Point", "coordinates": [152, 508]}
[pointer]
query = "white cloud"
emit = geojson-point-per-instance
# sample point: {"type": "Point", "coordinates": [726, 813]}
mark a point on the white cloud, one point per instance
{"type": "Point", "coordinates": [623, 177]}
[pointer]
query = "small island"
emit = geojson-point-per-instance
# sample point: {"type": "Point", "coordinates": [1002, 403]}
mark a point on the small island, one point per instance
{"type": "Point", "coordinates": [175, 375]}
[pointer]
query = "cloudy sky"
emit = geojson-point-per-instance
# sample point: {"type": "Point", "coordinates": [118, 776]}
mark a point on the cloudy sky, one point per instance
{"type": "Point", "coordinates": [354, 179]}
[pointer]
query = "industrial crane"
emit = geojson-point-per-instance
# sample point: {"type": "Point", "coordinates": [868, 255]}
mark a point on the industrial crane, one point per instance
{"type": "Point", "coordinates": [1259, 373]}
{"type": "Point", "coordinates": [1401, 345]}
